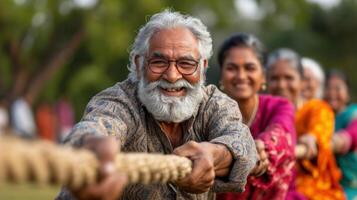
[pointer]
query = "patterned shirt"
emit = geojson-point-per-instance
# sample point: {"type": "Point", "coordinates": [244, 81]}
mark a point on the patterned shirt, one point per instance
{"type": "Point", "coordinates": [118, 111]}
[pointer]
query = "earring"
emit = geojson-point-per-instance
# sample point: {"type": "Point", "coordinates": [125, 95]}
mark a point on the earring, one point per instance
{"type": "Point", "coordinates": [264, 87]}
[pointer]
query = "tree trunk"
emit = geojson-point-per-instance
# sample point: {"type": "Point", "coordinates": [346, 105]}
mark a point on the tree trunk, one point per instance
{"type": "Point", "coordinates": [19, 73]}
{"type": "Point", "coordinates": [58, 60]}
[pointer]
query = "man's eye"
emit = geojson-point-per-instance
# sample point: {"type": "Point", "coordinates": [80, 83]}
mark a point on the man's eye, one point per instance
{"type": "Point", "coordinates": [158, 62]}
{"type": "Point", "coordinates": [186, 63]}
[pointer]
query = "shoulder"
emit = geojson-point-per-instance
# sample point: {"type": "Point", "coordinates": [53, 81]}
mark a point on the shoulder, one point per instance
{"type": "Point", "coordinates": [352, 108]}
{"type": "Point", "coordinates": [316, 107]}
{"type": "Point", "coordinates": [120, 94]}
{"type": "Point", "coordinates": [214, 97]}
{"type": "Point", "coordinates": [125, 89]}
{"type": "Point", "coordinates": [217, 105]}
{"type": "Point", "coordinates": [275, 102]}
{"type": "Point", "coordinates": [275, 110]}
{"type": "Point", "coordinates": [352, 111]}
{"type": "Point", "coordinates": [317, 104]}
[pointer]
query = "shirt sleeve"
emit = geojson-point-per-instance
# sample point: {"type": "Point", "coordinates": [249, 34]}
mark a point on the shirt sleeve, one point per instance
{"type": "Point", "coordinates": [225, 127]}
{"type": "Point", "coordinates": [279, 138]}
{"type": "Point", "coordinates": [106, 114]}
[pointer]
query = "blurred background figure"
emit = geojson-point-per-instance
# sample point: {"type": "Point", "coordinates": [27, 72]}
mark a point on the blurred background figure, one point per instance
{"type": "Point", "coordinates": [318, 175]}
{"type": "Point", "coordinates": [65, 117]}
{"type": "Point", "coordinates": [345, 138]}
{"type": "Point", "coordinates": [22, 119]}
{"type": "Point", "coordinates": [242, 59]}
{"type": "Point", "coordinates": [46, 122]}
{"type": "Point", "coordinates": [314, 79]}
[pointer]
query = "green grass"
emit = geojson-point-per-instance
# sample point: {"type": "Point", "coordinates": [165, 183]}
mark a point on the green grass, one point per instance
{"type": "Point", "coordinates": [27, 192]}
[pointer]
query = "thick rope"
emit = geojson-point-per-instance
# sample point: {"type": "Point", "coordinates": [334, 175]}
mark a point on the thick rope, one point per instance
{"type": "Point", "coordinates": [45, 163]}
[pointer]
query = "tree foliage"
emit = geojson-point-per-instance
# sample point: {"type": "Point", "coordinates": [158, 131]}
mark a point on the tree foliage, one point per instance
{"type": "Point", "coordinates": [50, 49]}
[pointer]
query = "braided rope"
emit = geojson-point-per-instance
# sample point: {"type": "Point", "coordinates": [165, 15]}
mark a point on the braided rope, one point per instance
{"type": "Point", "coordinates": [45, 163]}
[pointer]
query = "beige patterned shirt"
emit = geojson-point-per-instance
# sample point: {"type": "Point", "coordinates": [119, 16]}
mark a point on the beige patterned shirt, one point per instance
{"type": "Point", "coordinates": [117, 111]}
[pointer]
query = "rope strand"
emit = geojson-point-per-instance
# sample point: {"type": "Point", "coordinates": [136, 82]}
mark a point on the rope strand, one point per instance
{"type": "Point", "coordinates": [44, 163]}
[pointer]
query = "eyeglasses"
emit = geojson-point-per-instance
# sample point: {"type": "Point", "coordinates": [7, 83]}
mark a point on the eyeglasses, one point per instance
{"type": "Point", "coordinates": [184, 66]}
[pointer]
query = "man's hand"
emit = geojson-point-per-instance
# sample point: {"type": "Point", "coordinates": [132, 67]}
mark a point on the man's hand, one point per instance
{"type": "Point", "coordinates": [111, 183]}
{"type": "Point", "coordinates": [207, 158]}
{"type": "Point", "coordinates": [309, 141]}
{"type": "Point", "coordinates": [263, 161]}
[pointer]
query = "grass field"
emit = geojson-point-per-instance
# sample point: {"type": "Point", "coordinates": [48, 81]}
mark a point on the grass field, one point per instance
{"type": "Point", "coordinates": [27, 192]}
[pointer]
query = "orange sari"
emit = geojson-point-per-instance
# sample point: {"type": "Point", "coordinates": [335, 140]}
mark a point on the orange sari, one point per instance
{"type": "Point", "coordinates": [318, 179]}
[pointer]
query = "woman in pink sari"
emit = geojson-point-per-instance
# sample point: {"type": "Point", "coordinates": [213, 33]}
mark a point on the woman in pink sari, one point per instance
{"type": "Point", "coordinates": [270, 119]}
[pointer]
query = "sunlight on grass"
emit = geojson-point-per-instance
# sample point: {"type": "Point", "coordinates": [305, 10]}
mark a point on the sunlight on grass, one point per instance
{"type": "Point", "coordinates": [28, 192]}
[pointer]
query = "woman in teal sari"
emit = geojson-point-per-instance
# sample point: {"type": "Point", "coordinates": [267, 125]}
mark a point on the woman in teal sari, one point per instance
{"type": "Point", "coordinates": [345, 139]}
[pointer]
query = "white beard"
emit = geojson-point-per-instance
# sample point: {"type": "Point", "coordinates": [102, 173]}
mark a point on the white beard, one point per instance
{"type": "Point", "coordinates": [171, 108]}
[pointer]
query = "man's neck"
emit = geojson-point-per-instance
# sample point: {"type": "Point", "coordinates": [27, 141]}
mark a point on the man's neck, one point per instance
{"type": "Point", "coordinates": [173, 131]}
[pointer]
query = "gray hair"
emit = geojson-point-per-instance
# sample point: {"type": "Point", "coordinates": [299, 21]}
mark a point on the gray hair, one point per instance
{"type": "Point", "coordinates": [165, 20]}
{"type": "Point", "coordinates": [318, 73]}
{"type": "Point", "coordinates": [286, 54]}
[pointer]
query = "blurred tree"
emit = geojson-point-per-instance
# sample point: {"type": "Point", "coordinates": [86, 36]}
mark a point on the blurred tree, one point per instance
{"type": "Point", "coordinates": [76, 48]}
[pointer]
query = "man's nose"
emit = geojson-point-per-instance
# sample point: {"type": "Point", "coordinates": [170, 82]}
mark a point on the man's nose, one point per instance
{"type": "Point", "coordinates": [172, 74]}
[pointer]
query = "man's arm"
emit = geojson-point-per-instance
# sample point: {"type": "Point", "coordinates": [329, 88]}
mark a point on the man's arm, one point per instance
{"type": "Point", "coordinates": [209, 160]}
{"type": "Point", "coordinates": [107, 114]}
{"type": "Point", "coordinates": [225, 127]}
{"type": "Point", "coordinates": [223, 159]}
{"type": "Point", "coordinates": [110, 183]}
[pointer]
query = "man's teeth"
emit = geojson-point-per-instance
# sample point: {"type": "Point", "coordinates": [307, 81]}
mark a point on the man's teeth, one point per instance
{"type": "Point", "coordinates": [173, 89]}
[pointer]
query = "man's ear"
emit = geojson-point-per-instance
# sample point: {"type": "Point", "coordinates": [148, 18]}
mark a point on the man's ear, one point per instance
{"type": "Point", "coordinates": [205, 64]}
{"type": "Point", "coordinates": [137, 66]}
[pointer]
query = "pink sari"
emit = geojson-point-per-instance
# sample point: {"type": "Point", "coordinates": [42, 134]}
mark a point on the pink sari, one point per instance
{"type": "Point", "coordinates": [274, 125]}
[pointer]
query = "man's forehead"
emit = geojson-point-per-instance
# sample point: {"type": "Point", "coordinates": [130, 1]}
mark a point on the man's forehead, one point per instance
{"type": "Point", "coordinates": [158, 54]}
{"type": "Point", "coordinates": [173, 39]}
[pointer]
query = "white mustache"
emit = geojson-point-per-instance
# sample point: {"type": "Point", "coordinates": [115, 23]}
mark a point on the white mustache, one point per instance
{"type": "Point", "coordinates": [166, 85]}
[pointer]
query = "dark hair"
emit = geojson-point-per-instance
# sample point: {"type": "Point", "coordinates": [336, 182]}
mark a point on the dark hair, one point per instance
{"type": "Point", "coordinates": [242, 40]}
{"type": "Point", "coordinates": [288, 55]}
{"type": "Point", "coordinates": [339, 74]}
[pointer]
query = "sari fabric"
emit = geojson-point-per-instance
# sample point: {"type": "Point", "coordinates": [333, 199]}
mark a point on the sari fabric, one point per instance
{"type": "Point", "coordinates": [318, 179]}
{"type": "Point", "coordinates": [346, 123]}
{"type": "Point", "coordinates": [274, 125]}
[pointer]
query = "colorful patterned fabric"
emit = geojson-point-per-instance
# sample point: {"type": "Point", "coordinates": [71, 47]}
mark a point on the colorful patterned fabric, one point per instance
{"type": "Point", "coordinates": [346, 123]}
{"type": "Point", "coordinates": [274, 125]}
{"type": "Point", "coordinates": [318, 179]}
{"type": "Point", "coordinates": [118, 111]}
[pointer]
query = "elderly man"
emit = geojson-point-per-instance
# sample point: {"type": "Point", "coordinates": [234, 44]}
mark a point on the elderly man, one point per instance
{"type": "Point", "coordinates": [164, 107]}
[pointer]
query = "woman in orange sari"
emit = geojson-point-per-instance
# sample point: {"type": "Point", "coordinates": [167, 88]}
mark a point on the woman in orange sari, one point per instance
{"type": "Point", "coordinates": [317, 172]}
